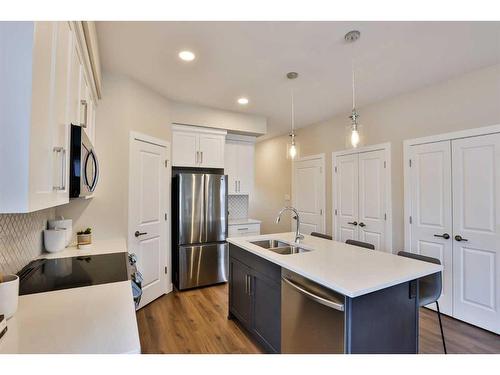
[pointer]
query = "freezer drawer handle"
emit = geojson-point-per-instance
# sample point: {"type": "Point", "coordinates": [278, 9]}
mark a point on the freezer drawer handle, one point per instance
{"type": "Point", "coordinates": [314, 297]}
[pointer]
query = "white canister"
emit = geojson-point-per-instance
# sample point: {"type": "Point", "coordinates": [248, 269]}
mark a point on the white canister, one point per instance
{"type": "Point", "coordinates": [9, 295]}
{"type": "Point", "coordinates": [63, 224]}
{"type": "Point", "coordinates": [54, 239]}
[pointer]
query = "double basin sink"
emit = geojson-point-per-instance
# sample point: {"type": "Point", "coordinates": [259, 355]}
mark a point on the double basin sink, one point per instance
{"type": "Point", "coordinates": [280, 247]}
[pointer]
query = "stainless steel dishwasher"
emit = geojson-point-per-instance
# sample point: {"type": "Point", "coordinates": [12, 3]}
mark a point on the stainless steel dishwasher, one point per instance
{"type": "Point", "coordinates": [312, 316]}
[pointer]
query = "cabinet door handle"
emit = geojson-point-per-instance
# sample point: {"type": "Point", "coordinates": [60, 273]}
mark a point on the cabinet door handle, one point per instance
{"type": "Point", "coordinates": [353, 223]}
{"type": "Point", "coordinates": [85, 107]}
{"type": "Point", "coordinates": [235, 186]}
{"type": "Point", "coordinates": [239, 186]}
{"type": "Point", "coordinates": [246, 284]}
{"type": "Point", "coordinates": [459, 238]}
{"type": "Point", "coordinates": [446, 236]}
{"type": "Point", "coordinates": [362, 224]}
{"type": "Point", "coordinates": [201, 153]}
{"type": "Point", "coordinates": [137, 233]}
{"type": "Point", "coordinates": [249, 285]}
{"type": "Point", "coordinates": [62, 152]}
{"type": "Point", "coordinates": [242, 228]}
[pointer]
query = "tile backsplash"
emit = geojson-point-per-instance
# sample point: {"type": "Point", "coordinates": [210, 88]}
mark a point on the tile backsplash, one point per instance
{"type": "Point", "coordinates": [238, 206]}
{"type": "Point", "coordinates": [21, 238]}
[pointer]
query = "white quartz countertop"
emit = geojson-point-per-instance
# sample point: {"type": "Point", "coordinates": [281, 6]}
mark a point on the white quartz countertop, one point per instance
{"type": "Point", "coordinates": [243, 221]}
{"type": "Point", "coordinates": [349, 270]}
{"type": "Point", "coordinates": [94, 319]}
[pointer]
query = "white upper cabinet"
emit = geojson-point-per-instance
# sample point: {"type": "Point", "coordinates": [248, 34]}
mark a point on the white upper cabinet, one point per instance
{"type": "Point", "coordinates": [197, 147]}
{"type": "Point", "coordinates": [40, 87]}
{"type": "Point", "coordinates": [239, 164]}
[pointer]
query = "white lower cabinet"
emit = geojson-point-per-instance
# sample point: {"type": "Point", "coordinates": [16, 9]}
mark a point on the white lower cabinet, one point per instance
{"type": "Point", "coordinates": [41, 79]}
{"type": "Point", "coordinates": [453, 197]}
{"type": "Point", "coordinates": [243, 230]}
{"type": "Point", "coordinates": [197, 147]}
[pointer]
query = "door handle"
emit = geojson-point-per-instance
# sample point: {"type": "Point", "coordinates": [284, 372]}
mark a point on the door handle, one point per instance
{"type": "Point", "coordinates": [459, 238]}
{"type": "Point", "coordinates": [353, 223]}
{"type": "Point", "coordinates": [362, 224]}
{"type": "Point", "coordinates": [137, 233]}
{"type": "Point", "coordinates": [446, 236]}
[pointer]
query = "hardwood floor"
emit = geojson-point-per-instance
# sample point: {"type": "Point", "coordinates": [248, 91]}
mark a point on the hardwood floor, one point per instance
{"type": "Point", "coordinates": [195, 321]}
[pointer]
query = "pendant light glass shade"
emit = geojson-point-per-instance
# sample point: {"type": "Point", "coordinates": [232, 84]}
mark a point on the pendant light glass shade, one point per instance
{"type": "Point", "coordinates": [354, 138]}
{"type": "Point", "coordinates": [351, 37]}
{"type": "Point", "coordinates": [292, 151]}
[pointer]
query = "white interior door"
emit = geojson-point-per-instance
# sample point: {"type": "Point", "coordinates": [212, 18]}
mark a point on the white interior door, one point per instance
{"type": "Point", "coordinates": [372, 206]}
{"type": "Point", "coordinates": [476, 218]}
{"type": "Point", "coordinates": [309, 193]}
{"type": "Point", "coordinates": [148, 230]}
{"type": "Point", "coordinates": [431, 211]}
{"type": "Point", "coordinates": [346, 173]}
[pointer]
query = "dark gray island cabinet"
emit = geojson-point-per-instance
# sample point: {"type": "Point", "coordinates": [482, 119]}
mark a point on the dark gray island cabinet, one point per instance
{"type": "Point", "coordinates": [383, 321]}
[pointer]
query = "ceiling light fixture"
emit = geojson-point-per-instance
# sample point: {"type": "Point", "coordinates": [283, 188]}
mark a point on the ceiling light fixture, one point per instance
{"type": "Point", "coordinates": [243, 101]}
{"type": "Point", "coordinates": [187, 55]}
{"type": "Point", "coordinates": [293, 148]}
{"type": "Point", "coordinates": [351, 37]}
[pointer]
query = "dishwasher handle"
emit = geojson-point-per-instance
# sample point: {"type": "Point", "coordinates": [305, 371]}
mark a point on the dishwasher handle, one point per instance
{"type": "Point", "coordinates": [326, 302]}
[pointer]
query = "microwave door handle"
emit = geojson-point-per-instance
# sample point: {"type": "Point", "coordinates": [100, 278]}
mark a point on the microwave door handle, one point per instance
{"type": "Point", "coordinates": [96, 171]}
{"type": "Point", "coordinates": [91, 186]}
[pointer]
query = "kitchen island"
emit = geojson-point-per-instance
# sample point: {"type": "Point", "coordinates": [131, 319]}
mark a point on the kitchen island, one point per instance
{"type": "Point", "coordinates": [371, 297]}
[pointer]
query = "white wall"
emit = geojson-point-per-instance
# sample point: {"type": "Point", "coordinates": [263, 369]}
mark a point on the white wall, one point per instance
{"type": "Point", "coordinates": [468, 101]}
{"type": "Point", "coordinates": [125, 106]}
{"type": "Point", "coordinates": [189, 114]}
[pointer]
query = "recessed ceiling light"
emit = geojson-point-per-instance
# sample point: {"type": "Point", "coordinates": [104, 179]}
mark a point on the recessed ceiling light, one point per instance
{"type": "Point", "coordinates": [187, 55]}
{"type": "Point", "coordinates": [242, 101]}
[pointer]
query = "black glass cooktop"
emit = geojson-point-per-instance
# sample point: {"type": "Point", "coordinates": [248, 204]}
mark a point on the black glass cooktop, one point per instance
{"type": "Point", "coordinates": [44, 275]}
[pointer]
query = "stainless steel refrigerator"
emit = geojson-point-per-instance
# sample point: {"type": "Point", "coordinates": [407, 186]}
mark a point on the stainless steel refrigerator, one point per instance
{"type": "Point", "coordinates": [200, 253]}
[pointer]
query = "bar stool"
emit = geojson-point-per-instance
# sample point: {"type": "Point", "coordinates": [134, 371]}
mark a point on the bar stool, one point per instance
{"type": "Point", "coordinates": [360, 244]}
{"type": "Point", "coordinates": [429, 287]}
{"type": "Point", "coordinates": [321, 235]}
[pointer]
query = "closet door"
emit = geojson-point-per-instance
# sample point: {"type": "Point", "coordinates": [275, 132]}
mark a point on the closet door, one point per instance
{"type": "Point", "coordinates": [372, 215]}
{"type": "Point", "coordinates": [476, 230]}
{"type": "Point", "coordinates": [347, 198]}
{"type": "Point", "coordinates": [431, 210]}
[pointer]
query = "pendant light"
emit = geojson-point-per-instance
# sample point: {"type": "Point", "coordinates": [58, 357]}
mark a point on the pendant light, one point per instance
{"type": "Point", "coordinates": [351, 37]}
{"type": "Point", "coordinates": [293, 148]}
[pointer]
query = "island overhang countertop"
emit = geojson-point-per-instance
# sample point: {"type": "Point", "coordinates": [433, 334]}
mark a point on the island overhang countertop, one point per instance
{"type": "Point", "coordinates": [350, 270]}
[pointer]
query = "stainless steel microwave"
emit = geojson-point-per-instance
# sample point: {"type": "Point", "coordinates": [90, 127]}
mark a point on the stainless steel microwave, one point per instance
{"type": "Point", "coordinates": [84, 167]}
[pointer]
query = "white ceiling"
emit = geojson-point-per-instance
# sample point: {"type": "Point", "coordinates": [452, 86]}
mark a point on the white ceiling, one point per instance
{"type": "Point", "coordinates": [251, 59]}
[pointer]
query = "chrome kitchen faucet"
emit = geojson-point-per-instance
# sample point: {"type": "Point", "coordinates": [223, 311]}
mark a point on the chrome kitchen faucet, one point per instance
{"type": "Point", "coordinates": [298, 236]}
